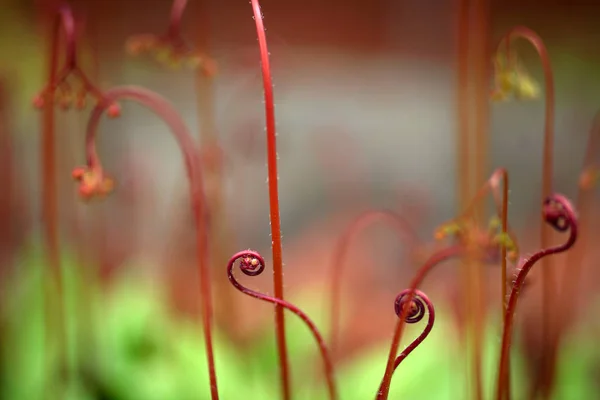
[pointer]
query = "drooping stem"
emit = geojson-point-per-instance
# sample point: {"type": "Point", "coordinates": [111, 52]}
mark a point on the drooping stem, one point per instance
{"type": "Point", "coordinates": [273, 199]}
{"type": "Point", "coordinates": [253, 264]}
{"type": "Point", "coordinates": [435, 259]}
{"type": "Point", "coordinates": [169, 115]}
{"type": "Point", "coordinates": [548, 281]}
{"type": "Point", "coordinates": [406, 233]}
{"type": "Point", "coordinates": [560, 215]}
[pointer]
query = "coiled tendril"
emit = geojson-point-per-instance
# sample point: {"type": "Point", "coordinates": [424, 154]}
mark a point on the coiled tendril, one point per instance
{"type": "Point", "coordinates": [251, 263]}
{"type": "Point", "coordinates": [417, 308]}
{"type": "Point", "coordinates": [560, 214]}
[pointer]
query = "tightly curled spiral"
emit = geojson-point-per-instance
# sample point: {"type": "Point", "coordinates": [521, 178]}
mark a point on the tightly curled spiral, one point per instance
{"type": "Point", "coordinates": [417, 306]}
{"type": "Point", "coordinates": [559, 212]}
{"type": "Point", "coordinates": [251, 263]}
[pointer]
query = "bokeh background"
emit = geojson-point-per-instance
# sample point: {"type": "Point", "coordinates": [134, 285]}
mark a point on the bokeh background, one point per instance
{"type": "Point", "coordinates": [366, 109]}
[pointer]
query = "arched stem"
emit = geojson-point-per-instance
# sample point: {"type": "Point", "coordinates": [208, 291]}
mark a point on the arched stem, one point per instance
{"type": "Point", "coordinates": [169, 115]}
{"type": "Point", "coordinates": [435, 259]}
{"type": "Point", "coordinates": [560, 214]}
{"type": "Point", "coordinates": [406, 233]}
{"type": "Point", "coordinates": [253, 264]}
{"type": "Point", "coordinates": [273, 198]}
{"type": "Point", "coordinates": [548, 281]}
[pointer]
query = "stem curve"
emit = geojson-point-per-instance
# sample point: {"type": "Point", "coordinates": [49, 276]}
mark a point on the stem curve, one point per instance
{"type": "Point", "coordinates": [253, 264]}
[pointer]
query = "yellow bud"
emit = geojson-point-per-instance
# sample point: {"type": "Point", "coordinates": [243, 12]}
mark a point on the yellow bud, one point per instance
{"type": "Point", "coordinates": [527, 88]}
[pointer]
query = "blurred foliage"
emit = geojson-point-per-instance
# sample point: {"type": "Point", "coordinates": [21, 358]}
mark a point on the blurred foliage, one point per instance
{"type": "Point", "coordinates": [125, 344]}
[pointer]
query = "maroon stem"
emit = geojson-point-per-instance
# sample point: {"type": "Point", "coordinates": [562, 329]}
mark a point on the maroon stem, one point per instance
{"type": "Point", "coordinates": [169, 115]}
{"type": "Point", "coordinates": [400, 224]}
{"type": "Point", "coordinates": [561, 215]}
{"type": "Point", "coordinates": [435, 259]}
{"type": "Point", "coordinates": [253, 264]}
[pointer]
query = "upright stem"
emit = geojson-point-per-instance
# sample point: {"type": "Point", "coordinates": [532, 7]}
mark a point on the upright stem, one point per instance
{"type": "Point", "coordinates": [466, 174]}
{"type": "Point", "coordinates": [63, 21]}
{"type": "Point", "coordinates": [273, 199]}
{"type": "Point", "coordinates": [548, 280]}
{"type": "Point", "coordinates": [435, 259]}
{"type": "Point", "coordinates": [165, 110]}
{"type": "Point", "coordinates": [339, 256]}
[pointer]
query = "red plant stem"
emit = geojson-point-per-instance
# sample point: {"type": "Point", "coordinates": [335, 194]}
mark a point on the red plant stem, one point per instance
{"type": "Point", "coordinates": [548, 280]}
{"type": "Point", "coordinates": [169, 115]}
{"type": "Point", "coordinates": [435, 259]}
{"type": "Point", "coordinates": [253, 264]}
{"type": "Point", "coordinates": [400, 224]}
{"type": "Point", "coordinates": [568, 215]}
{"type": "Point", "coordinates": [273, 199]}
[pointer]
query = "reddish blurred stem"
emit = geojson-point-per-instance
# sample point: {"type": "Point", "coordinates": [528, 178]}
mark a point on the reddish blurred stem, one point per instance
{"type": "Point", "coordinates": [197, 198]}
{"type": "Point", "coordinates": [273, 199]}
{"type": "Point", "coordinates": [406, 233]}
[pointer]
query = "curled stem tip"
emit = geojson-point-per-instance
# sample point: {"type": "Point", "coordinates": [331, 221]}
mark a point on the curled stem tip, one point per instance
{"type": "Point", "coordinates": [560, 214]}
{"type": "Point", "coordinates": [417, 308]}
{"type": "Point", "coordinates": [252, 263]}
{"type": "Point", "coordinates": [437, 258]}
{"type": "Point", "coordinates": [400, 224]}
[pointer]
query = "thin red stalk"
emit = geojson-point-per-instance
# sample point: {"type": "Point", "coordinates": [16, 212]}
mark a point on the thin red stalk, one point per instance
{"type": "Point", "coordinates": [169, 115]}
{"type": "Point", "coordinates": [560, 214]}
{"type": "Point", "coordinates": [435, 259]}
{"type": "Point", "coordinates": [405, 232]}
{"type": "Point", "coordinates": [273, 199]}
{"type": "Point", "coordinates": [548, 280]}
{"type": "Point", "coordinates": [253, 264]}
